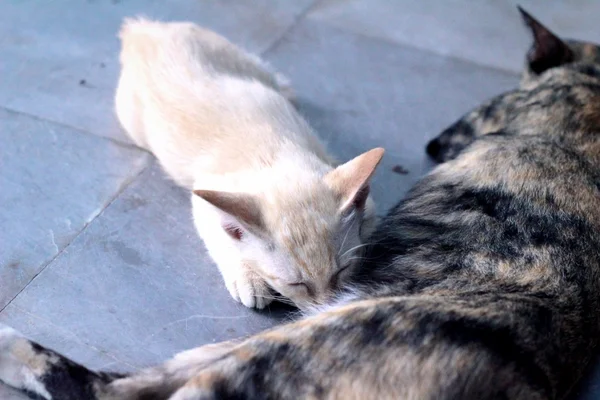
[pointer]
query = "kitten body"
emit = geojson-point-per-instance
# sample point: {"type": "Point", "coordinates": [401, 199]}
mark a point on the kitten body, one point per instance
{"type": "Point", "coordinates": [269, 205]}
{"type": "Point", "coordinates": [484, 283]}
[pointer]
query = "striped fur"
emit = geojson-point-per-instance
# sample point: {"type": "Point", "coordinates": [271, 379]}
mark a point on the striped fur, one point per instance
{"type": "Point", "coordinates": [484, 283]}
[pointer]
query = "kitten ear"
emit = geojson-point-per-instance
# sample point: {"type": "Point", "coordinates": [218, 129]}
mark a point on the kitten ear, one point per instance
{"type": "Point", "coordinates": [244, 207]}
{"type": "Point", "coordinates": [351, 180]}
{"type": "Point", "coordinates": [547, 50]}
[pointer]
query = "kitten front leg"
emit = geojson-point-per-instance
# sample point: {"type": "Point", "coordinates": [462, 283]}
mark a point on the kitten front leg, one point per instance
{"type": "Point", "coordinates": [244, 285]}
{"type": "Point", "coordinates": [252, 289]}
{"type": "Point", "coordinates": [241, 280]}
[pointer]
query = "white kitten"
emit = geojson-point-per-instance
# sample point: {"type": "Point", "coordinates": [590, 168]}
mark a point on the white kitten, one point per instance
{"type": "Point", "coordinates": [271, 209]}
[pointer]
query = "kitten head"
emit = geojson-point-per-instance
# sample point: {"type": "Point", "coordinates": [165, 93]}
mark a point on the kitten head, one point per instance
{"type": "Point", "coordinates": [549, 51]}
{"type": "Point", "coordinates": [304, 237]}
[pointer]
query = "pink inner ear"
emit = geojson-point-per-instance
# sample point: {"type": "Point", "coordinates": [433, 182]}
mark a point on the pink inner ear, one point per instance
{"type": "Point", "coordinates": [360, 199]}
{"type": "Point", "coordinates": [234, 231]}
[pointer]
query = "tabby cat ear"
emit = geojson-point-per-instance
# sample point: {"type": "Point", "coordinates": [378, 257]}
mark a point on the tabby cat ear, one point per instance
{"type": "Point", "coordinates": [243, 207]}
{"type": "Point", "coordinates": [547, 50]}
{"type": "Point", "coordinates": [351, 180]}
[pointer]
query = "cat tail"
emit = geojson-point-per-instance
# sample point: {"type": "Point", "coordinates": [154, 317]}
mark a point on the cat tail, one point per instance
{"type": "Point", "coordinates": [44, 374]}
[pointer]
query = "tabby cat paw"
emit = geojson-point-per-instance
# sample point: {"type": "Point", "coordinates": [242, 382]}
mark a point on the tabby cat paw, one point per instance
{"type": "Point", "coordinates": [12, 371]}
{"type": "Point", "coordinates": [8, 336]}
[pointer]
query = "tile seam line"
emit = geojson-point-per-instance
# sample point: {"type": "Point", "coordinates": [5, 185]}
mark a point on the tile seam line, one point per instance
{"type": "Point", "coordinates": [297, 20]}
{"type": "Point", "coordinates": [268, 48]}
{"type": "Point", "coordinates": [80, 131]}
{"type": "Point", "coordinates": [118, 193]}
{"type": "Point", "coordinates": [115, 358]}
{"type": "Point", "coordinates": [409, 46]}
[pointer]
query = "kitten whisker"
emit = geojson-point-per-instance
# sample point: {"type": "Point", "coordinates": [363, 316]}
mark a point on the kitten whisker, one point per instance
{"type": "Point", "coordinates": [280, 299]}
{"type": "Point", "coordinates": [346, 236]}
{"type": "Point", "coordinates": [355, 248]}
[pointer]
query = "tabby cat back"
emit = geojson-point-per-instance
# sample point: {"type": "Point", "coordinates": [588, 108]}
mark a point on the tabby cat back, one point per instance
{"type": "Point", "coordinates": [482, 284]}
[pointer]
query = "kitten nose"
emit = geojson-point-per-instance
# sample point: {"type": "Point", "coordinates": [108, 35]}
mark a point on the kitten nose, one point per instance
{"type": "Point", "coordinates": [433, 148]}
{"type": "Point", "coordinates": [325, 296]}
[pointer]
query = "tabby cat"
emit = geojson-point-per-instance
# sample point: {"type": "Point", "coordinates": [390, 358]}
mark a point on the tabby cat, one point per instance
{"type": "Point", "coordinates": [484, 283]}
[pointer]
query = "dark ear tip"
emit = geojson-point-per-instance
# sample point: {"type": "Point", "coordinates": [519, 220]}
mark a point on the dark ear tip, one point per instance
{"type": "Point", "coordinates": [433, 148]}
{"type": "Point", "coordinates": [360, 200]}
{"type": "Point", "coordinates": [526, 16]}
{"type": "Point", "coordinates": [207, 195]}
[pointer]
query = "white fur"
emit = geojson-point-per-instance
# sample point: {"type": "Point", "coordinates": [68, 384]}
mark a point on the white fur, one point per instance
{"type": "Point", "coordinates": [347, 296]}
{"type": "Point", "coordinates": [13, 371]}
{"type": "Point", "coordinates": [219, 119]}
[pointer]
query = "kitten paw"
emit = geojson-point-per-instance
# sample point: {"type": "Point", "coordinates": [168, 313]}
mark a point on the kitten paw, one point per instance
{"type": "Point", "coordinates": [250, 290]}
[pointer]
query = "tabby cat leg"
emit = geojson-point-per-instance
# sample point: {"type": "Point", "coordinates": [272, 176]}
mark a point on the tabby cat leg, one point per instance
{"type": "Point", "coordinates": [44, 374]}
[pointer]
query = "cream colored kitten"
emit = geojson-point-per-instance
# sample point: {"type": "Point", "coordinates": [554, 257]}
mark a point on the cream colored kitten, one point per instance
{"type": "Point", "coordinates": [271, 209]}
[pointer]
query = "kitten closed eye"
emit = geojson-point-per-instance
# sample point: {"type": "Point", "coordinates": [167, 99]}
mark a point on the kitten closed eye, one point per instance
{"type": "Point", "coordinates": [335, 279]}
{"type": "Point", "coordinates": [300, 285]}
{"type": "Point", "coordinates": [339, 272]}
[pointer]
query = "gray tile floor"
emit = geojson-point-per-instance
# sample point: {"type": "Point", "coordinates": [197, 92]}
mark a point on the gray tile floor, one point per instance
{"type": "Point", "coordinates": [98, 256]}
